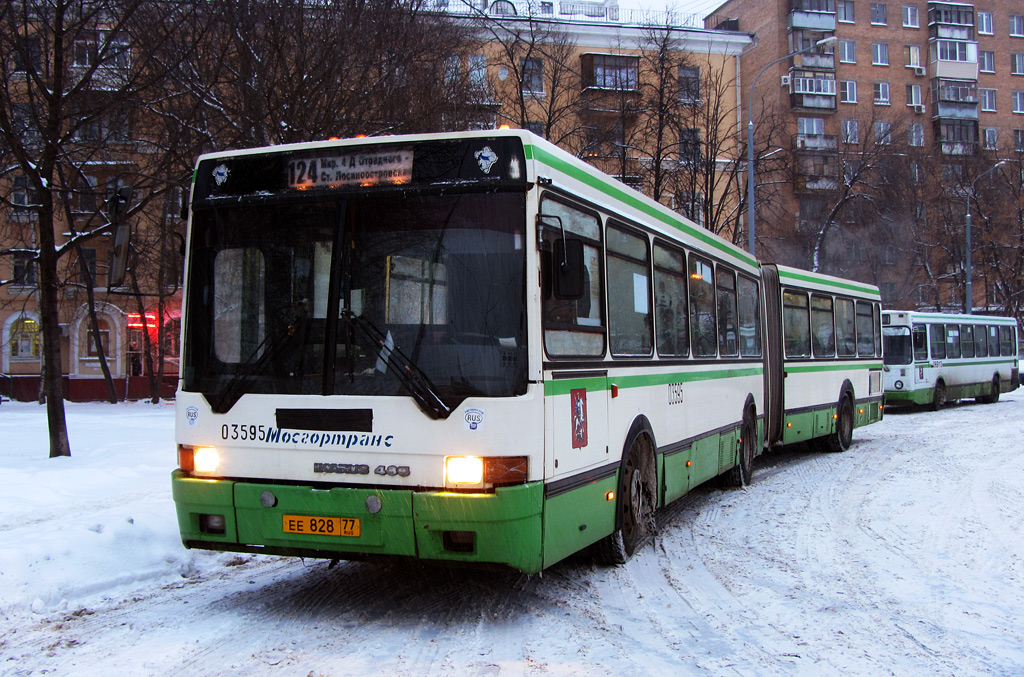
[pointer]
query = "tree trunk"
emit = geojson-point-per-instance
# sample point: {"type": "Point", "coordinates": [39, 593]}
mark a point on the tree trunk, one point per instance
{"type": "Point", "coordinates": [52, 367]}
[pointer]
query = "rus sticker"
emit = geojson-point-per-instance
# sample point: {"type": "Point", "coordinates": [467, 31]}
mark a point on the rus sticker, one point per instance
{"type": "Point", "coordinates": [474, 419]}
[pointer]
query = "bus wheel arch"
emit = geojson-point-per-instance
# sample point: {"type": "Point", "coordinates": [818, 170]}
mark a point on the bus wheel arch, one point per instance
{"type": "Point", "coordinates": [742, 473]}
{"type": "Point", "coordinates": [993, 394]}
{"type": "Point", "coordinates": [637, 497]}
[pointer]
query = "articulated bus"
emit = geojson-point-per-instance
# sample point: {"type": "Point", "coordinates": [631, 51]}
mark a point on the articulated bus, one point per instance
{"type": "Point", "coordinates": [935, 358]}
{"type": "Point", "coordinates": [476, 348]}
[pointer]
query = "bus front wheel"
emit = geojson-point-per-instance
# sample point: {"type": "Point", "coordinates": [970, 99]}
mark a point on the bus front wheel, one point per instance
{"type": "Point", "coordinates": [993, 394]}
{"type": "Point", "coordinates": [842, 438]}
{"type": "Point", "coordinates": [635, 507]}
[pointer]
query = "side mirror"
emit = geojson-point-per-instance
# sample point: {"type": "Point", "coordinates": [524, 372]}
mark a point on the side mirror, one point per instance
{"type": "Point", "coordinates": [567, 270]}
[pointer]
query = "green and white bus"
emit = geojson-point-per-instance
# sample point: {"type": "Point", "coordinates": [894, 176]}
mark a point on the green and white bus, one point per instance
{"type": "Point", "coordinates": [935, 358]}
{"type": "Point", "coordinates": [477, 348]}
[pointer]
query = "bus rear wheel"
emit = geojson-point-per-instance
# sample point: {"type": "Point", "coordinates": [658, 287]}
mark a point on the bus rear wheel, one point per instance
{"type": "Point", "coordinates": [635, 507]}
{"type": "Point", "coordinates": [938, 397]}
{"type": "Point", "coordinates": [842, 438]}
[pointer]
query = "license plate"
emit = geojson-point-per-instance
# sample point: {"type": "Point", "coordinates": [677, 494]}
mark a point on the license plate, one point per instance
{"type": "Point", "coordinates": [321, 526]}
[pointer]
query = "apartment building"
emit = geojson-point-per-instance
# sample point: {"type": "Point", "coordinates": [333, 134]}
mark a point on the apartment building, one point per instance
{"type": "Point", "coordinates": [943, 80]}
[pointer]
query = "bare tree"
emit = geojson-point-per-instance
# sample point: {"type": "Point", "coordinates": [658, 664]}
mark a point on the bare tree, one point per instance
{"type": "Point", "coordinates": [70, 70]}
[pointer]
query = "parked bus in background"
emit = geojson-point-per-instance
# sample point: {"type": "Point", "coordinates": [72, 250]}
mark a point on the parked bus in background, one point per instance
{"type": "Point", "coordinates": [476, 348]}
{"type": "Point", "coordinates": [935, 358]}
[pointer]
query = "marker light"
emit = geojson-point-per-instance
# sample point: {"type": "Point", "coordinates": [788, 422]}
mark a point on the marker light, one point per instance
{"type": "Point", "coordinates": [206, 459]}
{"type": "Point", "coordinates": [463, 470]}
{"type": "Point", "coordinates": [609, 496]}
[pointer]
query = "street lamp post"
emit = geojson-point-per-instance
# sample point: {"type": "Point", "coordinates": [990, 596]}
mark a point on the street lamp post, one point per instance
{"type": "Point", "coordinates": [968, 290]}
{"type": "Point", "coordinates": [824, 42]}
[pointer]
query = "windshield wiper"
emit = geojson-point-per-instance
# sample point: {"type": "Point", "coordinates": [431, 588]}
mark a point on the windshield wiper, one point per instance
{"type": "Point", "coordinates": [411, 376]}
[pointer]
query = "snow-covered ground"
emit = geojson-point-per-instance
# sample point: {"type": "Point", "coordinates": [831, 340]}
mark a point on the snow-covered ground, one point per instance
{"type": "Point", "coordinates": [902, 556]}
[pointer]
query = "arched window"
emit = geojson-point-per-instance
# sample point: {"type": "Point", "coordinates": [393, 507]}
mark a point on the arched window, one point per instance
{"type": "Point", "coordinates": [25, 338]}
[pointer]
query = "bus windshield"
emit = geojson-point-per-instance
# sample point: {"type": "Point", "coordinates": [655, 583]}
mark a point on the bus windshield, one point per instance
{"type": "Point", "coordinates": [897, 347]}
{"type": "Point", "coordinates": [427, 295]}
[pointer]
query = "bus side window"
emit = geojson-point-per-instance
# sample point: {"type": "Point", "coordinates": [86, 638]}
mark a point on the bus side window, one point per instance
{"type": "Point", "coordinates": [980, 341]}
{"type": "Point", "coordinates": [993, 341]}
{"type": "Point", "coordinates": [937, 333]}
{"type": "Point", "coordinates": [728, 341]}
{"type": "Point", "coordinates": [846, 333]}
{"type": "Point", "coordinates": [629, 306]}
{"type": "Point", "coordinates": [573, 327]}
{"type": "Point", "coordinates": [967, 340]}
{"type": "Point", "coordinates": [952, 341]}
{"type": "Point", "coordinates": [920, 343]}
{"type": "Point", "coordinates": [1006, 347]}
{"type": "Point", "coordinates": [703, 332]}
{"type": "Point", "coordinates": [796, 324]}
{"type": "Point", "coordinates": [823, 331]}
{"type": "Point", "coordinates": [750, 317]}
{"type": "Point", "coordinates": [865, 330]}
{"type": "Point", "coordinates": [670, 302]}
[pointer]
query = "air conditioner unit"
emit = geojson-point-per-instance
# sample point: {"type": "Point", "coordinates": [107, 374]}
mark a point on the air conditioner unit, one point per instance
{"type": "Point", "coordinates": [918, 107]}
{"type": "Point", "coordinates": [920, 70]}
{"type": "Point", "coordinates": [786, 80]}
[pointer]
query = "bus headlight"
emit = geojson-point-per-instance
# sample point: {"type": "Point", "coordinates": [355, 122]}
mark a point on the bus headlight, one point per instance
{"type": "Point", "coordinates": [898, 385]}
{"type": "Point", "coordinates": [463, 471]}
{"type": "Point", "coordinates": [206, 459]}
{"type": "Point", "coordinates": [475, 472]}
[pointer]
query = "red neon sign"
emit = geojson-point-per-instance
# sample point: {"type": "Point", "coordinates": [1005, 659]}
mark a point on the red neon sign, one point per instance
{"type": "Point", "coordinates": [135, 322]}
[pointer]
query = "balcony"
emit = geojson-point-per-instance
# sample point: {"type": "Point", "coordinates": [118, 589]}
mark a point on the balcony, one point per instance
{"type": "Point", "coordinates": [815, 142]}
{"type": "Point", "coordinates": [958, 148]}
{"type": "Point", "coordinates": [815, 21]}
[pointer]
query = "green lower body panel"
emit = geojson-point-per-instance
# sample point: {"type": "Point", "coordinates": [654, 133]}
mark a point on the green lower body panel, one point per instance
{"type": "Point", "coordinates": [907, 397]}
{"type": "Point", "coordinates": [503, 527]}
{"type": "Point", "coordinates": [577, 518]}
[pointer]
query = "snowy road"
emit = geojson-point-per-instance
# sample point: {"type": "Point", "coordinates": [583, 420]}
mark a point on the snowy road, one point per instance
{"type": "Point", "coordinates": [902, 556]}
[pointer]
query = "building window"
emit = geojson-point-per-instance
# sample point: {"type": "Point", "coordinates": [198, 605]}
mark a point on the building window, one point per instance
{"type": "Point", "coordinates": [25, 338]}
{"type": "Point", "coordinates": [1018, 140]}
{"type": "Point", "coordinates": [955, 50]}
{"type": "Point", "coordinates": [104, 332]}
{"type": "Point", "coordinates": [881, 93]}
{"type": "Point", "coordinates": [847, 51]}
{"type": "Point", "coordinates": [88, 254]}
{"type": "Point", "coordinates": [848, 91]}
{"type": "Point", "coordinates": [1018, 102]}
{"type": "Point", "coordinates": [536, 127]}
{"type": "Point", "coordinates": [913, 95]}
{"type": "Point", "coordinates": [914, 56]}
{"type": "Point", "coordinates": [810, 126]}
{"type": "Point", "coordinates": [988, 100]}
{"type": "Point", "coordinates": [689, 146]}
{"type": "Point", "coordinates": [1017, 26]}
{"type": "Point", "coordinates": [985, 23]}
{"type": "Point", "coordinates": [689, 84]}
{"type": "Point", "coordinates": [880, 54]}
{"type": "Point", "coordinates": [878, 14]}
{"type": "Point", "coordinates": [1017, 64]}
{"type": "Point", "coordinates": [851, 131]}
{"type": "Point", "coordinates": [883, 133]}
{"type": "Point", "coordinates": [22, 196]}
{"type": "Point", "coordinates": [24, 270]}
{"type": "Point", "coordinates": [844, 9]}
{"type": "Point", "coordinates": [605, 71]}
{"type": "Point", "coordinates": [910, 18]}
{"type": "Point", "coordinates": [478, 72]}
{"type": "Point", "coordinates": [533, 75]}
{"type": "Point", "coordinates": [915, 134]}
{"type": "Point", "coordinates": [987, 61]}
{"type": "Point", "coordinates": [990, 138]}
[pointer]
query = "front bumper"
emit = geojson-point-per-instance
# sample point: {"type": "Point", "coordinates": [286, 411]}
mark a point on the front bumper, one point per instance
{"type": "Point", "coordinates": [503, 527]}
